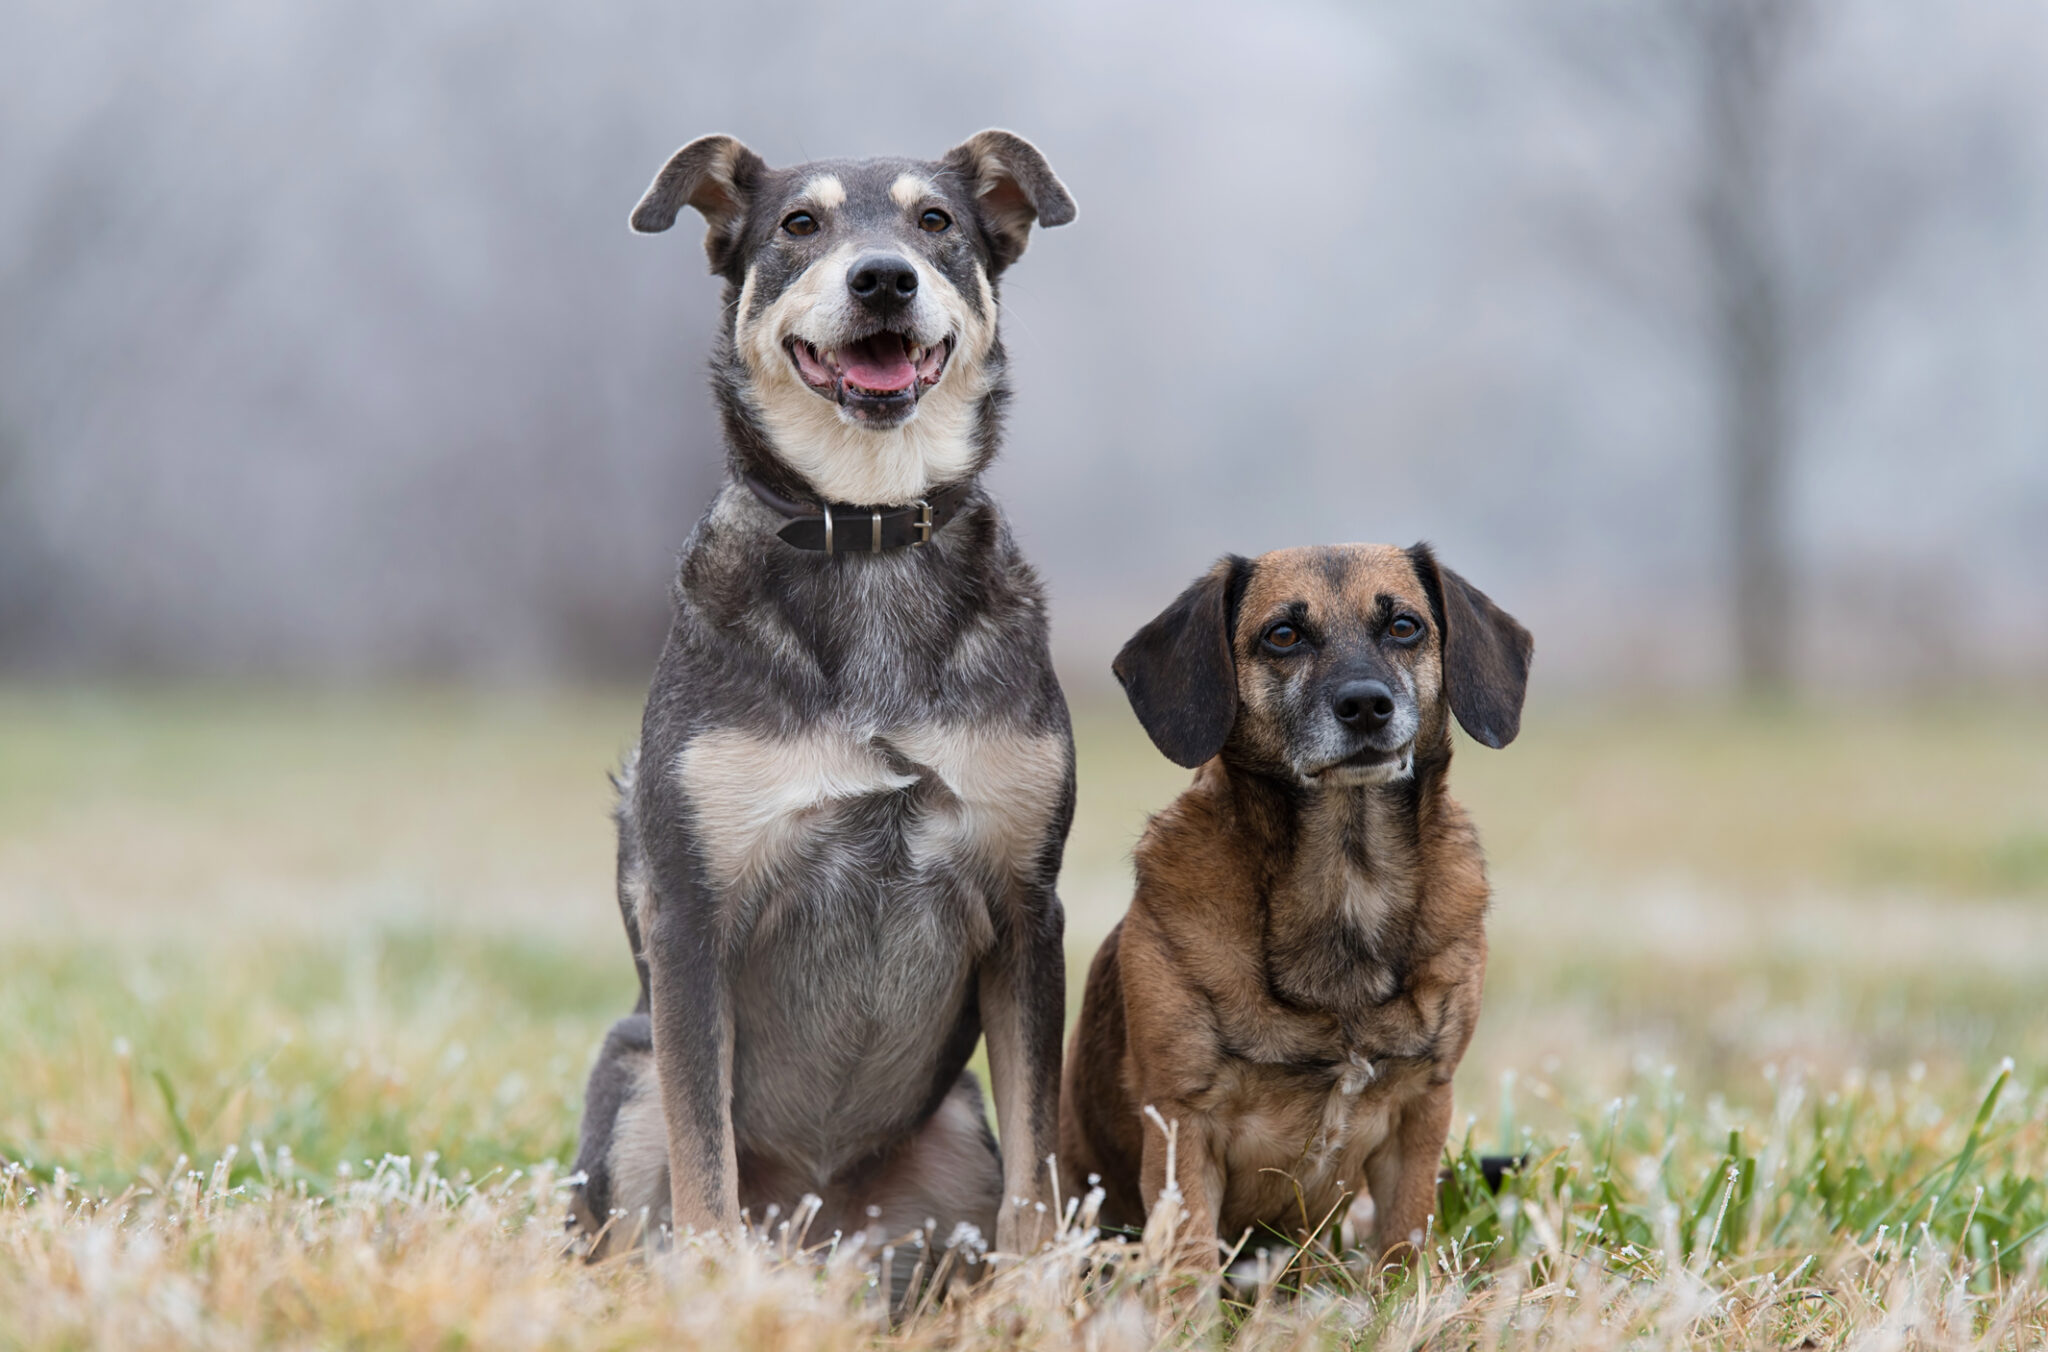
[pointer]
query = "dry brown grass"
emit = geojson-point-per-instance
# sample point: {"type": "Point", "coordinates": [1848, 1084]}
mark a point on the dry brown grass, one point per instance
{"type": "Point", "coordinates": [405, 1258]}
{"type": "Point", "coordinates": [348, 956]}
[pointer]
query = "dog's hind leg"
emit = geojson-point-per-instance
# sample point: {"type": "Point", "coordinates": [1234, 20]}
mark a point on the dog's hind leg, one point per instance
{"type": "Point", "coordinates": [945, 1184]}
{"type": "Point", "coordinates": [623, 1153]}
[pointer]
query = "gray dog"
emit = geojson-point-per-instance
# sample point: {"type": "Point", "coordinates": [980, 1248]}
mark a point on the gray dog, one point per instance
{"type": "Point", "coordinates": [839, 837]}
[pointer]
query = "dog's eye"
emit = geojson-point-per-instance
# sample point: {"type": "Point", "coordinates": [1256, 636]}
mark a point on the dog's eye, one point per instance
{"type": "Point", "coordinates": [935, 221]}
{"type": "Point", "coordinates": [1404, 627]}
{"type": "Point", "coordinates": [801, 223]}
{"type": "Point", "coordinates": [1281, 637]}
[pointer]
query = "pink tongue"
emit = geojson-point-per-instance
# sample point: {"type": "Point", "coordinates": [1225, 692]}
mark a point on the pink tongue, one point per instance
{"type": "Point", "coordinates": [881, 363]}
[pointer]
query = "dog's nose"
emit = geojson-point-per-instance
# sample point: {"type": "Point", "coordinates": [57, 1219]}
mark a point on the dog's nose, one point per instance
{"type": "Point", "coordinates": [1365, 705]}
{"type": "Point", "coordinates": [882, 281]}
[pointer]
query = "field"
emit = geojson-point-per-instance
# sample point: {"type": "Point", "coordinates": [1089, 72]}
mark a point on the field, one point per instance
{"type": "Point", "coordinates": [297, 993]}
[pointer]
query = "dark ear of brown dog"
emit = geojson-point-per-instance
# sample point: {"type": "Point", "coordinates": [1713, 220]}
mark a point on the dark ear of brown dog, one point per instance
{"type": "Point", "coordinates": [1486, 653]}
{"type": "Point", "coordinates": [1178, 670]}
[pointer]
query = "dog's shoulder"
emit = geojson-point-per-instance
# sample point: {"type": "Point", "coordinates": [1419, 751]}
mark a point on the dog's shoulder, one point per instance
{"type": "Point", "coordinates": [1192, 936]}
{"type": "Point", "coordinates": [1196, 852]}
{"type": "Point", "coordinates": [1455, 893]}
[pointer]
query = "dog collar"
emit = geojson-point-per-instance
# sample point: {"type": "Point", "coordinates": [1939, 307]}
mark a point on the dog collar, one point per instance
{"type": "Point", "coordinates": [846, 528]}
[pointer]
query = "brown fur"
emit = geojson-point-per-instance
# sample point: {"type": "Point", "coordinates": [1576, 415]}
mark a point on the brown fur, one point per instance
{"type": "Point", "coordinates": [1299, 972]}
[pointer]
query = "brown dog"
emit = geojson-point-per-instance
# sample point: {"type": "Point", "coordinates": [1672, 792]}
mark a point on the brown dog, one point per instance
{"type": "Point", "coordinates": [1299, 972]}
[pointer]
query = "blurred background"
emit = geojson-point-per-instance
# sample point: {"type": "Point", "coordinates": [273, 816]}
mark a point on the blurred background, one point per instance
{"type": "Point", "coordinates": [347, 436]}
{"type": "Point", "coordinates": [325, 352]}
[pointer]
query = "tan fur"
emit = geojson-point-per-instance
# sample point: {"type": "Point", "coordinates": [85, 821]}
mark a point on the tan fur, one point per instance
{"type": "Point", "coordinates": [827, 191]}
{"type": "Point", "coordinates": [843, 459]}
{"type": "Point", "coordinates": [1286, 1110]}
{"type": "Point", "coordinates": [756, 797]}
{"type": "Point", "coordinates": [639, 1160]}
{"type": "Point", "coordinates": [694, 1177]}
{"type": "Point", "coordinates": [1004, 785]}
{"type": "Point", "coordinates": [1021, 1225]}
{"type": "Point", "coordinates": [909, 189]}
{"type": "Point", "coordinates": [943, 1164]}
{"type": "Point", "coordinates": [938, 1171]}
{"type": "Point", "coordinates": [753, 797]}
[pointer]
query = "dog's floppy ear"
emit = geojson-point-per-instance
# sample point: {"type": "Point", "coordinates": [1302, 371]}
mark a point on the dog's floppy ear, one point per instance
{"type": "Point", "coordinates": [1486, 652]}
{"type": "Point", "coordinates": [716, 175]}
{"type": "Point", "coordinates": [1014, 187]}
{"type": "Point", "coordinates": [1179, 672]}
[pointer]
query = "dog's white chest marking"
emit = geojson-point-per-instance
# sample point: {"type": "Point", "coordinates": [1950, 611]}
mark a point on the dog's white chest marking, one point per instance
{"type": "Point", "coordinates": [1355, 1076]}
{"type": "Point", "coordinates": [1364, 902]}
{"type": "Point", "coordinates": [755, 798]}
{"type": "Point", "coordinates": [1001, 789]}
{"type": "Point", "coordinates": [1352, 1079]}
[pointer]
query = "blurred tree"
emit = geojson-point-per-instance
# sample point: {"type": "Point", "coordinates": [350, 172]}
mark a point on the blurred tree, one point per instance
{"type": "Point", "coordinates": [26, 578]}
{"type": "Point", "coordinates": [1743, 50]}
{"type": "Point", "coordinates": [324, 352]}
{"type": "Point", "coordinates": [1769, 220]}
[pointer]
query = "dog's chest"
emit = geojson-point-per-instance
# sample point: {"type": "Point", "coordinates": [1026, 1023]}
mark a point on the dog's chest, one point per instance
{"type": "Point", "coordinates": [1294, 1138]}
{"type": "Point", "coordinates": [906, 803]}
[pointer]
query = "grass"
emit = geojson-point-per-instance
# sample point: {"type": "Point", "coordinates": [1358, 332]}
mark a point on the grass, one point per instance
{"type": "Point", "coordinates": [297, 993]}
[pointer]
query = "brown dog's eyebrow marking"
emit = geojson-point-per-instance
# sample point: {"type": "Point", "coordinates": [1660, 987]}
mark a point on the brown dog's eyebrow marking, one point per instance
{"type": "Point", "coordinates": [1295, 612]}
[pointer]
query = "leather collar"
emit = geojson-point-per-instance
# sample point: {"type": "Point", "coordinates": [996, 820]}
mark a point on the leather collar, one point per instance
{"type": "Point", "coordinates": [848, 528]}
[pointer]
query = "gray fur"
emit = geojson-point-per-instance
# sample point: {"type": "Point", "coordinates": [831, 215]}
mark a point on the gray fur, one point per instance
{"type": "Point", "coordinates": [616, 1082]}
{"type": "Point", "coordinates": [817, 970]}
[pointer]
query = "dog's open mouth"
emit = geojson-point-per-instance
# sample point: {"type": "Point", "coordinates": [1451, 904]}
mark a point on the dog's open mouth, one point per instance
{"type": "Point", "coordinates": [881, 374]}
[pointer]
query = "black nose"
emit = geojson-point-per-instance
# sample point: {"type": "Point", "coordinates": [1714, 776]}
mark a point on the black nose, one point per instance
{"type": "Point", "coordinates": [882, 281]}
{"type": "Point", "coordinates": [1365, 705]}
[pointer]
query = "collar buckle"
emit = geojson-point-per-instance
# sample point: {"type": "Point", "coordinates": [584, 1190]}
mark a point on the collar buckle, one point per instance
{"type": "Point", "coordinates": [922, 524]}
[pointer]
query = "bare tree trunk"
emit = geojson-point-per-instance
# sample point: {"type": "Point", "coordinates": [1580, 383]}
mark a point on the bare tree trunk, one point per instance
{"type": "Point", "coordinates": [1742, 45]}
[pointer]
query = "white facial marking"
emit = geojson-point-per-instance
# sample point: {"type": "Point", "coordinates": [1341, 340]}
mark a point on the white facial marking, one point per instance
{"type": "Point", "coordinates": [841, 458]}
{"type": "Point", "coordinates": [827, 191]}
{"type": "Point", "coordinates": [909, 189]}
{"type": "Point", "coordinates": [746, 303]}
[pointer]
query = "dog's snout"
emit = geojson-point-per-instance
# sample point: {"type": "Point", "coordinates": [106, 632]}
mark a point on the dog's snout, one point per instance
{"type": "Point", "coordinates": [1365, 705]}
{"type": "Point", "coordinates": [882, 281]}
